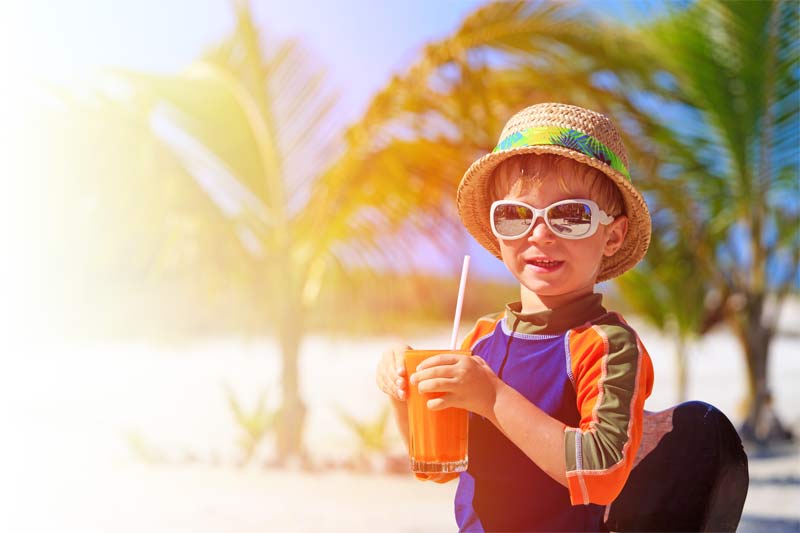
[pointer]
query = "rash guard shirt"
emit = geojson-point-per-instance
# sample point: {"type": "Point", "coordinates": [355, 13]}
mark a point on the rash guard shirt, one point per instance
{"type": "Point", "coordinates": [583, 366]}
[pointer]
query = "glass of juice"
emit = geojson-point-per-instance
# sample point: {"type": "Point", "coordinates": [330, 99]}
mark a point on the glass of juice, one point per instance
{"type": "Point", "coordinates": [437, 440]}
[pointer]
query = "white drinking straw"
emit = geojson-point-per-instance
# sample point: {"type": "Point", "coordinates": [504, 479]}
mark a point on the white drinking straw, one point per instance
{"type": "Point", "coordinates": [460, 302]}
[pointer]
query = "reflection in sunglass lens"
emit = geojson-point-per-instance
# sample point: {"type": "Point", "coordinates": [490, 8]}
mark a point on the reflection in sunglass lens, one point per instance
{"type": "Point", "coordinates": [512, 220]}
{"type": "Point", "coordinates": [574, 218]}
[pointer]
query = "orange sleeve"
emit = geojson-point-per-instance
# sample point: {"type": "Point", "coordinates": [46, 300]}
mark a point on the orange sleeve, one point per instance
{"type": "Point", "coordinates": [613, 375]}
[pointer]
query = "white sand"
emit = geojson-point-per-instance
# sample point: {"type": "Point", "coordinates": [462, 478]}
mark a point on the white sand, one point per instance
{"type": "Point", "coordinates": [67, 465]}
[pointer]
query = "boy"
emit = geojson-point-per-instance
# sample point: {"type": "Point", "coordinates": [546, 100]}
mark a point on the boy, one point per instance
{"type": "Point", "coordinates": [556, 384]}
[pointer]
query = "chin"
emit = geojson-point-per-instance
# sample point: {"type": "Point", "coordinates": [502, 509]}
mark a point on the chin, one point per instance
{"type": "Point", "coordinates": [542, 288]}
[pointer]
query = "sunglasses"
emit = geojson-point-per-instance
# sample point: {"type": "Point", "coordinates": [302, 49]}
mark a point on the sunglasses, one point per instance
{"type": "Point", "coordinates": [568, 219]}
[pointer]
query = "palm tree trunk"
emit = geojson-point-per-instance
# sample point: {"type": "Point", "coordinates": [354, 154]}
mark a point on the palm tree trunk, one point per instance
{"type": "Point", "coordinates": [291, 416]}
{"type": "Point", "coordinates": [292, 413]}
{"type": "Point", "coordinates": [761, 424]}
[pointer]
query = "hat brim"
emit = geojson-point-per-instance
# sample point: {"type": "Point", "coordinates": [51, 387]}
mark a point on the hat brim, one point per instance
{"type": "Point", "coordinates": [474, 202]}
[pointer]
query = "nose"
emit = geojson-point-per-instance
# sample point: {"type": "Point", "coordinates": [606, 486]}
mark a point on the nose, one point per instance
{"type": "Point", "coordinates": [541, 232]}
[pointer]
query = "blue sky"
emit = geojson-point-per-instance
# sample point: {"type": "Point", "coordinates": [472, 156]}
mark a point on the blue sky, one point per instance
{"type": "Point", "coordinates": [361, 43]}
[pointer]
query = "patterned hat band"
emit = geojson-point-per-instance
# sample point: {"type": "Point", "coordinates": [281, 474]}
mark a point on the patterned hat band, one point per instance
{"type": "Point", "coordinates": [568, 138]}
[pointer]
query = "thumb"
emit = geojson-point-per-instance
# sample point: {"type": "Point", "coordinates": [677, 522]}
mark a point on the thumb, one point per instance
{"type": "Point", "coordinates": [399, 359]}
{"type": "Point", "coordinates": [480, 360]}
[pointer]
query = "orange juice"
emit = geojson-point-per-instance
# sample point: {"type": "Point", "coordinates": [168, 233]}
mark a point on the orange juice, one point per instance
{"type": "Point", "coordinates": [437, 439]}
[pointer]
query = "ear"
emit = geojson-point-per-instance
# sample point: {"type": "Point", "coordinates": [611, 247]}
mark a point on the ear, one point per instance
{"type": "Point", "coordinates": [615, 235]}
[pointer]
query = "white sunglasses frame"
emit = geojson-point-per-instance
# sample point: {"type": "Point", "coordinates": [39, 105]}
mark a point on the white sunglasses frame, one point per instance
{"type": "Point", "coordinates": [598, 217]}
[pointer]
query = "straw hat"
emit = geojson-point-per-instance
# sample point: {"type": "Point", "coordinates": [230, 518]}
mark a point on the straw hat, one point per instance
{"type": "Point", "coordinates": [569, 131]}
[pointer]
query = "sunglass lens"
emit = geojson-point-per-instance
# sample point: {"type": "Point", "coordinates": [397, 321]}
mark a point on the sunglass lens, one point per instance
{"type": "Point", "coordinates": [572, 219]}
{"type": "Point", "coordinates": [511, 220]}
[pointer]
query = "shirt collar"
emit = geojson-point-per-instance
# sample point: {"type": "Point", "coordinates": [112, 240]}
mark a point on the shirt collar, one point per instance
{"type": "Point", "coordinates": [555, 321]}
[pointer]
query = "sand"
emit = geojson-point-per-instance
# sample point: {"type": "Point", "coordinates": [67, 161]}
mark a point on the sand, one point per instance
{"type": "Point", "coordinates": [70, 409]}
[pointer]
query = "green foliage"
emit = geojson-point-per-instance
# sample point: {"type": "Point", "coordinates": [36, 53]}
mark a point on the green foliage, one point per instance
{"type": "Point", "coordinates": [241, 216]}
{"type": "Point", "coordinates": [371, 434]}
{"type": "Point", "coordinates": [403, 304]}
{"type": "Point", "coordinates": [727, 206]}
{"type": "Point", "coordinates": [142, 450]}
{"type": "Point", "coordinates": [730, 198]}
{"type": "Point", "coordinates": [254, 425]}
{"type": "Point", "coordinates": [219, 179]}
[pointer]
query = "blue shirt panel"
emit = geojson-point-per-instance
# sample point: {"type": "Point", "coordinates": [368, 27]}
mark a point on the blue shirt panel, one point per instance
{"type": "Point", "coordinates": [502, 489]}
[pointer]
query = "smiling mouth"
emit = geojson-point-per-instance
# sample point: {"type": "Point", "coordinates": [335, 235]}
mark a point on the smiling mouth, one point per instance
{"type": "Point", "coordinates": [545, 264]}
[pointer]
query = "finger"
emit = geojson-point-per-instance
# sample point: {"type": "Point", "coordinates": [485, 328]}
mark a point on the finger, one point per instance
{"type": "Point", "coordinates": [440, 360]}
{"type": "Point", "coordinates": [482, 363]}
{"type": "Point", "coordinates": [399, 353]}
{"type": "Point", "coordinates": [384, 384]}
{"type": "Point", "coordinates": [392, 363]}
{"type": "Point", "coordinates": [384, 364]}
{"type": "Point", "coordinates": [390, 388]}
{"type": "Point", "coordinates": [399, 363]}
{"type": "Point", "coordinates": [437, 404]}
{"type": "Point", "coordinates": [399, 391]}
{"type": "Point", "coordinates": [441, 371]}
{"type": "Point", "coordinates": [436, 385]}
{"type": "Point", "coordinates": [385, 372]}
{"type": "Point", "coordinates": [401, 388]}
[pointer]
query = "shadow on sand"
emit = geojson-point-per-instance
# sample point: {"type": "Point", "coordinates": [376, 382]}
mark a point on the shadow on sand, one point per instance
{"type": "Point", "coordinates": [781, 481]}
{"type": "Point", "coordinates": [757, 524]}
{"type": "Point", "coordinates": [771, 451]}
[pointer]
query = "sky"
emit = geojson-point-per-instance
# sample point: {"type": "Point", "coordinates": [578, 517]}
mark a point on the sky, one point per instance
{"type": "Point", "coordinates": [361, 44]}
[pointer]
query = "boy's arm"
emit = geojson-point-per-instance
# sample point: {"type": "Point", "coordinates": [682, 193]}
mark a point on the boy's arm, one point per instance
{"type": "Point", "coordinates": [613, 376]}
{"type": "Point", "coordinates": [537, 434]}
{"type": "Point", "coordinates": [472, 385]}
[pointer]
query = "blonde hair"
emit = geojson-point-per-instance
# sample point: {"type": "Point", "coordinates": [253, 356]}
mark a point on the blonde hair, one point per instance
{"type": "Point", "coordinates": [520, 174]}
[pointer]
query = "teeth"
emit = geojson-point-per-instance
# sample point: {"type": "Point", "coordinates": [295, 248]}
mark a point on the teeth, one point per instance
{"type": "Point", "coordinates": [545, 263]}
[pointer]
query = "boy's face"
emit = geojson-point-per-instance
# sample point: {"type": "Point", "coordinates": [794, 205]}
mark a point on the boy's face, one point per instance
{"type": "Point", "coordinates": [556, 271]}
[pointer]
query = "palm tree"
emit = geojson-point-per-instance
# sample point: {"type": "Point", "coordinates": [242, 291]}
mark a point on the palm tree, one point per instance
{"type": "Point", "coordinates": [507, 55]}
{"type": "Point", "coordinates": [669, 293]}
{"type": "Point", "coordinates": [250, 125]}
{"type": "Point", "coordinates": [106, 225]}
{"type": "Point", "coordinates": [735, 67]}
{"type": "Point", "coordinates": [720, 173]}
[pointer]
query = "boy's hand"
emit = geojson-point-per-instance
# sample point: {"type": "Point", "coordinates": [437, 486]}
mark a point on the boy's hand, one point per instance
{"type": "Point", "coordinates": [467, 382]}
{"type": "Point", "coordinates": [391, 376]}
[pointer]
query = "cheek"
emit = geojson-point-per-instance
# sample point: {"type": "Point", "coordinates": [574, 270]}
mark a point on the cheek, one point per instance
{"type": "Point", "coordinates": [590, 250]}
{"type": "Point", "coordinates": [508, 253]}
{"type": "Point", "coordinates": [505, 250]}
